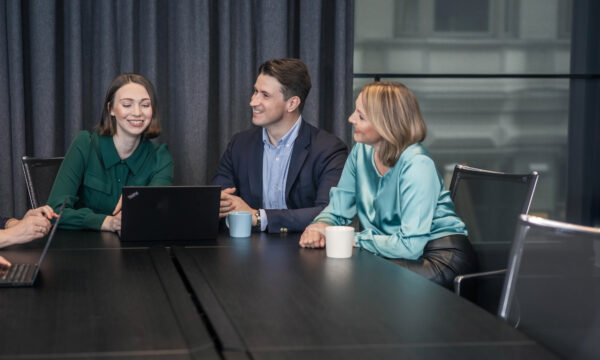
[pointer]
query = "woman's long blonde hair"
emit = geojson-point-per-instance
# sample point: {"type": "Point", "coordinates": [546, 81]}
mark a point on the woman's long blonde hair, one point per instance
{"type": "Point", "coordinates": [394, 112]}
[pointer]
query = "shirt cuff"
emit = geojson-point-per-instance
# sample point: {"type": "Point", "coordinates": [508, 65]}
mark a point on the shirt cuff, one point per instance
{"type": "Point", "coordinates": [94, 221]}
{"type": "Point", "coordinates": [263, 219]}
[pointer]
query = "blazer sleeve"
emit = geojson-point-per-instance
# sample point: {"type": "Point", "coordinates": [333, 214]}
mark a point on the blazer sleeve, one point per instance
{"type": "Point", "coordinates": [3, 221]}
{"type": "Point", "coordinates": [225, 175]}
{"type": "Point", "coordinates": [328, 168]}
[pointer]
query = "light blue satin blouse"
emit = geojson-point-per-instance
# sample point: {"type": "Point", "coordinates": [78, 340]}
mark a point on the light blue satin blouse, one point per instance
{"type": "Point", "coordinates": [401, 210]}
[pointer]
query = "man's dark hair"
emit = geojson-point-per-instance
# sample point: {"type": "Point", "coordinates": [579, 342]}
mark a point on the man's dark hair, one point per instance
{"type": "Point", "coordinates": [293, 76]}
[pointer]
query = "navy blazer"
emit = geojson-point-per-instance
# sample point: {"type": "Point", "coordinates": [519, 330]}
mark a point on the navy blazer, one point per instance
{"type": "Point", "coordinates": [316, 165]}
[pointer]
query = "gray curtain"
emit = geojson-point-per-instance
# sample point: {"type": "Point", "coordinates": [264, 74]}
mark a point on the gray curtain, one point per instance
{"type": "Point", "coordinates": [58, 57]}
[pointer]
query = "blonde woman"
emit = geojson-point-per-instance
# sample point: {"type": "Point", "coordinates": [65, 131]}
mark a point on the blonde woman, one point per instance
{"type": "Point", "coordinates": [391, 182]}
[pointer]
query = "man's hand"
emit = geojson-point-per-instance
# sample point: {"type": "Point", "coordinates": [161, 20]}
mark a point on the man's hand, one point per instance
{"type": "Point", "coordinates": [314, 235]}
{"type": "Point", "coordinates": [45, 211]}
{"type": "Point", "coordinates": [4, 263]}
{"type": "Point", "coordinates": [31, 227]}
{"type": "Point", "coordinates": [226, 204]}
{"type": "Point", "coordinates": [230, 202]}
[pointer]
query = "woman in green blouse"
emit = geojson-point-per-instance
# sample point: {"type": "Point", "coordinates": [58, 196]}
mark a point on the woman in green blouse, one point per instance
{"type": "Point", "coordinates": [389, 180]}
{"type": "Point", "coordinates": [117, 153]}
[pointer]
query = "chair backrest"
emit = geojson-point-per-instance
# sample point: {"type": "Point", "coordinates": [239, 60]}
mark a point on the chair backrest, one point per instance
{"type": "Point", "coordinates": [552, 287]}
{"type": "Point", "coordinates": [39, 177]}
{"type": "Point", "coordinates": [490, 203]}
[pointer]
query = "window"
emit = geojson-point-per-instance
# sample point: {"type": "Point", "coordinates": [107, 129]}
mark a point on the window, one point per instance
{"type": "Point", "coordinates": [462, 16]}
{"type": "Point", "coordinates": [505, 124]}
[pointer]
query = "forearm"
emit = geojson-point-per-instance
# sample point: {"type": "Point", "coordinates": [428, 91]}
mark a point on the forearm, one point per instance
{"type": "Point", "coordinates": [78, 219]}
{"type": "Point", "coordinates": [393, 246]}
{"type": "Point", "coordinates": [10, 223]}
{"type": "Point", "coordinates": [5, 239]}
{"type": "Point", "coordinates": [330, 217]}
{"type": "Point", "coordinates": [341, 208]}
{"type": "Point", "coordinates": [294, 220]}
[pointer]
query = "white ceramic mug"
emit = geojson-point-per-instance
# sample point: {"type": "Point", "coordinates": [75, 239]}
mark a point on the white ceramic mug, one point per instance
{"type": "Point", "coordinates": [339, 241]}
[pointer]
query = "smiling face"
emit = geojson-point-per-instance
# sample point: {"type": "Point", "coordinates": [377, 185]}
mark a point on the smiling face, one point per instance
{"type": "Point", "coordinates": [364, 132]}
{"type": "Point", "coordinates": [132, 110]}
{"type": "Point", "coordinates": [268, 104]}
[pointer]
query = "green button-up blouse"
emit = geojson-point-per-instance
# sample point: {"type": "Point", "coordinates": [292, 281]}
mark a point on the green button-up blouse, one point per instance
{"type": "Point", "coordinates": [92, 175]}
{"type": "Point", "coordinates": [399, 211]}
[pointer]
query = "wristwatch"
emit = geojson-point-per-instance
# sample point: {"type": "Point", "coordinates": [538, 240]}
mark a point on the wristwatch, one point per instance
{"type": "Point", "coordinates": [257, 226]}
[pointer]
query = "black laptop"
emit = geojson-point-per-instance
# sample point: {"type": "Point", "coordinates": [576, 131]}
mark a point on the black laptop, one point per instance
{"type": "Point", "coordinates": [165, 213]}
{"type": "Point", "coordinates": [20, 275]}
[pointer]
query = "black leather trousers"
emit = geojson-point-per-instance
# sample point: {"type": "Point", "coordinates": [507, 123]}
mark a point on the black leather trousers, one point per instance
{"type": "Point", "coordinates": [443, 259]}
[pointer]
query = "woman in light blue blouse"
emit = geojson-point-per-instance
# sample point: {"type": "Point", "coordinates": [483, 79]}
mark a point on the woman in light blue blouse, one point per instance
{"type": "Point", "coordinates": [389, 180]}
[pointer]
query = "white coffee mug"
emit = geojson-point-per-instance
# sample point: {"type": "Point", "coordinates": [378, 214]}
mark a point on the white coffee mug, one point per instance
{"type": "Point", "coordinates": [339, 241]}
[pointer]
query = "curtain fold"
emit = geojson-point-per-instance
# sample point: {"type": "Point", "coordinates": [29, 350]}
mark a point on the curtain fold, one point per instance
{"type": "Point", "coordinates": [58, 57]}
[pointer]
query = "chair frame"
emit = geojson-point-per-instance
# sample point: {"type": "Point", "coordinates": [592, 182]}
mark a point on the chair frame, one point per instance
{"type": "Point", "coordinates": [525, 223]}
{"type": "Point", "coordinates": [459, 171]}
{"type": "Point", "coordinates": [33, 201]}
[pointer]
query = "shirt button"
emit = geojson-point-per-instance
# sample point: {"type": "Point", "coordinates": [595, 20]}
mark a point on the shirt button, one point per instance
{"type": "Point", "coordinates": [277, 158]}
{"type": "Point", "coordinates": [118, 180]}
{"type": "Point", "coordinates": [283, 230]}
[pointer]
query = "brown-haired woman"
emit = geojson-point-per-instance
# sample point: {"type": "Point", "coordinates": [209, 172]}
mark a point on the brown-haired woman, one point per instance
{"type": "Point", "coordinates": [117, 153]}
{"type": "Point", "coordinates": [390, 181]}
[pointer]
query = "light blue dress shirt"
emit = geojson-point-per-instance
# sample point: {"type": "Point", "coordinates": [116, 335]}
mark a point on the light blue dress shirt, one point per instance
{"type": "Point", "coordinates": [276, 163]}
{"type": "Point", "coordinates": [399, 211]}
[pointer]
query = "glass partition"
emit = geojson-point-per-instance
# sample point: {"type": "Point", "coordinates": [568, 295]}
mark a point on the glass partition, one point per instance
{"type": "Point", "coordinates": [490, 79]}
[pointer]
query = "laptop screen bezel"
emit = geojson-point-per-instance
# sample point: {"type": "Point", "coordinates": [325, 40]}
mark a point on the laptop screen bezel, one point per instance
{"type": "Point", "coordinates": [50, 237]}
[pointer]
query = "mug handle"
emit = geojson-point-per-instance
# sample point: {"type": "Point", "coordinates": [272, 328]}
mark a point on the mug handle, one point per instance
{"type": "Point", "coordinates": [227, 221]}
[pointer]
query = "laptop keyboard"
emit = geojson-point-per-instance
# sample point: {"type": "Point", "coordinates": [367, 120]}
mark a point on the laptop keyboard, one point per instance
{"type": "Point", "coordinates": [17, 273]}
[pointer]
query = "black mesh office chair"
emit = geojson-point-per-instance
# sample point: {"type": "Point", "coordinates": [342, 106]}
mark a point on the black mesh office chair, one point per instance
{"type": "Point", "coordinates": [39, 177]}
{"type": "Point", "coordinates": [489, 203]}
{"type": "Point", "coordinates": [552, 286]}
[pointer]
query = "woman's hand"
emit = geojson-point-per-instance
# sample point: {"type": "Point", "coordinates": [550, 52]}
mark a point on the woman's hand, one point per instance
{"type": "Point", "coordinates": [117, 209]}
{"type": "Point", "coordinates": [112, 223]}
{"type": "Point", "coordinates": [314, 235]}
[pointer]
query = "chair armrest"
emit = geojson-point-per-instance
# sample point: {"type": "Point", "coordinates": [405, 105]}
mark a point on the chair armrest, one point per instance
{"type": "Point", "coordinates": [459, 279]}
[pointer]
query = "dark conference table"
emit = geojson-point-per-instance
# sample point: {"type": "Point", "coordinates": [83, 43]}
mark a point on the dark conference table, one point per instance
{"type": "Point", "coordinates": [258, 298]}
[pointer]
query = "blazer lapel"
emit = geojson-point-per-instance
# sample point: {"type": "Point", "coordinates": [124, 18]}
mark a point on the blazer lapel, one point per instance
{"type": "Point", "coordinates": [255, 165]}
{"type": "Point", "coordinates": [299, 154]}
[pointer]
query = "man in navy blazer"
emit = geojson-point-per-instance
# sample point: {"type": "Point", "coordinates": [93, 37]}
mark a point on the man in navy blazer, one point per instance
{"type": "Point", "coordinates": [280, 171]}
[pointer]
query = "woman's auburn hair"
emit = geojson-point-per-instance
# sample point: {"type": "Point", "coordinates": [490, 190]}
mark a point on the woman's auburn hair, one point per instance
{"type": "Point", "coordinates": [395, 114]}
{"type": "Point", "coordinates": [108, 124]}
